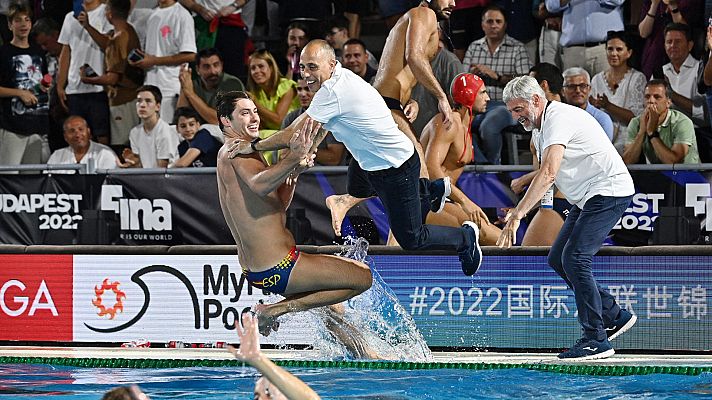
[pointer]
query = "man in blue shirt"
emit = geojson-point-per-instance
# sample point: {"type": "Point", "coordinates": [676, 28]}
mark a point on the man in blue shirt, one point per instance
{"type": "Point", "coordinates": [577, 88]}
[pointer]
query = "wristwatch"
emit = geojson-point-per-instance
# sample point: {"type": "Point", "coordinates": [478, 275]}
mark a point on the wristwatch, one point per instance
{"type": "Point", "coordinates": [254, 142]}
{"type": "Point", "coordinates": [655, 134]}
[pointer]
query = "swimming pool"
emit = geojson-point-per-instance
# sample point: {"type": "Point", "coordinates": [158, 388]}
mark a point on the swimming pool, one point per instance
{"type": "Point", "coordinates": [20, 381]}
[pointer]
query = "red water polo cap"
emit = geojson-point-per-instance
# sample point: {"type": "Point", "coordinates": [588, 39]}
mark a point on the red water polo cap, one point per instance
{"type": "Point", "coordinates": [464, 89]}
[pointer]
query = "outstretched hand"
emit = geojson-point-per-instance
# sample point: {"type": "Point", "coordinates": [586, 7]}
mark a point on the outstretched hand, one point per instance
{"type": "Point", "coordinates": [303, 138]}
{"type": "Point", "coordinates": [508, 237]}
{"type": "Point", "coordinates": [249, 350]}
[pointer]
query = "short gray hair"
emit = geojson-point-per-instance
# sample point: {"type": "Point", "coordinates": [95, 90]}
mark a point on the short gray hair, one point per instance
{"type": "Point", "coordinates": [576, 71]}
{"type": "Point", "coordinates": [523, 87]}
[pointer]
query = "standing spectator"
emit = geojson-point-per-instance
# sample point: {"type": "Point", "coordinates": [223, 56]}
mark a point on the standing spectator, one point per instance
{"type": "Point", "coordinates": [329, 151]}
{"type": "Point", "coordinates": [200, 94]}
{"type": "Point", "coordinates": [200, 148]}
{"type": "Point", "coordinates": [655, 15]}
{"type": "Point", "coordinates": [356, 58]}
{"type": "Point", "coordinates": [273, 94]}
{"type": "Point", "coordinates": [138, 18]}
{"type": "Point", "coordinates": [170, 42]}
{"type": "Point", "coordinates": [120, 78]}
{"type": "Point", "coordinates": [46, 34]}
{"type": "Point", "coordinates": [577, 88]}
{"type": "Point", "coordinates": [231, 39]}
{"type": "Point", "coordinates": [663, 135]}
{"type": "Point", "coordinates": [81, 148]}
{"type": "Point", "coordinates": [619, 90]}
{"type": "Point", "coordinates": [526, 29]}
{"type": "Point", "coordinates": [583, 30]}
{"type": "Point", "coordinates": [550, 36]}
{"type": "Point", "coordinates": [154, 144]}
{"type": "Point", "coordinates": [25, 103]}
{"type": "Point", "coordinates": [298, 35]}
{"type": "Point", "coordinates": [337, 34]}
{"type": "Point", "coordinates": [79, 49]}
{"type": "Point", "coordinates": [496, 58]}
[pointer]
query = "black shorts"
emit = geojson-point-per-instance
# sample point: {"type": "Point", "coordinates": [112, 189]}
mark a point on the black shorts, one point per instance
{"type": "Point", "coordinates": [393, 104]}
{"type": "Point", "coordinates": [562, 207]}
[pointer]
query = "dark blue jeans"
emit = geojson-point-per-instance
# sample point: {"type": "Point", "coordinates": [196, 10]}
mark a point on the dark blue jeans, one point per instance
{"type": "Point", "coordinates": [399, 191]}
{"type": "Point", "coordinates": [572, 253]}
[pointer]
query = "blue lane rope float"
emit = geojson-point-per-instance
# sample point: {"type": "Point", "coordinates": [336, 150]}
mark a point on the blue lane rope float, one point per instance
{"type": "Point", "coordinates": [576, 369]}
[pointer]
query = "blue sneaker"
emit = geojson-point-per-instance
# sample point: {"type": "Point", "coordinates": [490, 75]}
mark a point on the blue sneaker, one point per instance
{"type": "Point", "coordinates": [471, 257]}
{"type": "Point", "coordinates": [625, 321]}
{"type": "Point", "coordinates": [588, 349]}
{"type": "Point", "coordinates": [440, 189]}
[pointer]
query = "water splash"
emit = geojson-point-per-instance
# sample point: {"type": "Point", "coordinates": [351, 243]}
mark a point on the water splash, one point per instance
{"type": "Point", "coordinates": [385, 326]}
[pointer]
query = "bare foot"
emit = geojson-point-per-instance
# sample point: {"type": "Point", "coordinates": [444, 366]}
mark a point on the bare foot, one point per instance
{"type": "Point", "coordinates": [339, 205]}
{"type": "Point", "coordinates": [266, 322]}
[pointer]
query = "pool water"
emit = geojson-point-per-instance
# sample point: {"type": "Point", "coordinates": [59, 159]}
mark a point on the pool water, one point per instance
{"type": "Point", "coordinates": [22, 381]}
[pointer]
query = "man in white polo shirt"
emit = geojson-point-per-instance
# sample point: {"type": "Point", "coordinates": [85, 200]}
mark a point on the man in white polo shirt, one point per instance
{"type": "Point", "coordinates": [385, 161]}
{"type": "Point", "coordinates": [579, 158]}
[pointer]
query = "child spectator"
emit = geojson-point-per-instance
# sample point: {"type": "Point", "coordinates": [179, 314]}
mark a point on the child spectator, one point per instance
{"type": "Point", "coordinates": [200, 148]}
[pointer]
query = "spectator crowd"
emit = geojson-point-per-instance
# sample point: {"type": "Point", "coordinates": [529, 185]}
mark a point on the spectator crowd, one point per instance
{"type": "Point", "coordinates": [133, 83]}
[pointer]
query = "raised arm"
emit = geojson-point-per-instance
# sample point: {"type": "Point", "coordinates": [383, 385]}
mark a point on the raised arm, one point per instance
{"type": "Point", "coordinates": [280, 140]}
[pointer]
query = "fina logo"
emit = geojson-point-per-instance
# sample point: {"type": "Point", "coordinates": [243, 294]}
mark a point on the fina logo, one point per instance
{"type": "Point", "coordinates": [156, 214]}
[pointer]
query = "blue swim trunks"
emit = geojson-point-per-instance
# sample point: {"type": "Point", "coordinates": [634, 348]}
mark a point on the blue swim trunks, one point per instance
{"type": "Point", "coordinates": [276, 278]}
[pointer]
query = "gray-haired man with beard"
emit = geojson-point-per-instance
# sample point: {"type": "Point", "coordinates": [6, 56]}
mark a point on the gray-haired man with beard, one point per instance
{"type": "Point", "coordinates": [576, 155]}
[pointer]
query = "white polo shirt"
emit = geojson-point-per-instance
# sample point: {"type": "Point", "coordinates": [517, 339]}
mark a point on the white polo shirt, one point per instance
{"type": "Point", "coordinates": [160, 143]}
{"type": "Point", "coordinates": [591, 165]}
{"type": "Point", "coordinates": [685, 83]}
{"type": "Point", "coordinates": [358, 117]}
{"type": "Point", "coordinates": [103, 156]}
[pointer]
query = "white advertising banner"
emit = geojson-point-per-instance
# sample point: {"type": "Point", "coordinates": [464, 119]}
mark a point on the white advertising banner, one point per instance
{"type": "Point", "coordinates": [162, 298]}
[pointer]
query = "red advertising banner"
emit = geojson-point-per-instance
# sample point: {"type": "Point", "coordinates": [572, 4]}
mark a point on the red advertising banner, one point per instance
{"type": "Point", "coordinates": [36, 297]}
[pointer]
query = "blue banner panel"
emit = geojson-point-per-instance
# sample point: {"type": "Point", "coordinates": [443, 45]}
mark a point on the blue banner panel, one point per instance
{"type": "Point", "coordinates": [519, 302]}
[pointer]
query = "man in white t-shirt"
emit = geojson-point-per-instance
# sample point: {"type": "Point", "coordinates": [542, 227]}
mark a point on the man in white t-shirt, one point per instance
{"type": "Point", "coordinates": [154, 144]}
{"type": "Point", "coordinates": [577, 156]}
{"type": "Point", "coordinates": [170, 42]}
{"type": "Point", "coordinates": [79, 50]}
{"type": "Point", "coordinates": [385, 163]}
{"type": "Point", "coordinates": [81, 148]}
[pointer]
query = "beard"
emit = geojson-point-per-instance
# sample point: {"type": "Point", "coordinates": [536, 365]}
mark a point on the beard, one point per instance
{"type": "Point", "coordinates": [527, 121]}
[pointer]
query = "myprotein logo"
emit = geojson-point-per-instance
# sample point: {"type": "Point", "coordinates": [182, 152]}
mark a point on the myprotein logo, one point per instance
{"type": "Point", "coordinates": [36, 297]}
{"type": "Point", "coordinates": [137, 214]}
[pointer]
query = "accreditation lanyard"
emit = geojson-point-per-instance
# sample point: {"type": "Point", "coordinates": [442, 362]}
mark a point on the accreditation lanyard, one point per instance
{"type": "Point", "coordinates": [548, 200]}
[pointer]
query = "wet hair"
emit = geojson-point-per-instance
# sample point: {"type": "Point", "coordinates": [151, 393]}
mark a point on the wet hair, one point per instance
{"type": "Point", "coordinates": [119, 393]}
{"type": "Point", "coordinates": [226, 101]}
{"type": "Point", "coordinates": [46, 26]}
{"type": "Point", "coordinates": [549, 73]}
{"type": "Point", "coordinates": [661, 82]}
{"type": "Point", "coordinates": [524, 88]}
{"type": "Point", "coordinates": [120, 8]}
{"type": "Point", "coordinates": [16, 9]}
{"type": "Point", "coordinates": [186, 112]}
{"type": "Point", "coordinates": [207, 53]}
{"type": "Point", "coordinates": [155, 91]}
{"type": "Point", "coordinates": [265, 55]}
{"type": "Point", "coordinates": [680, 27]}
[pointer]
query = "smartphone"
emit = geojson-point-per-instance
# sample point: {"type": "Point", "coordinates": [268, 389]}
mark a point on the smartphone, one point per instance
{"type": "Point", "coordinates": [89, 71]}
{"type": "Point", "coordinates": [135, 56]}
{"type": "Point", "coordinates": [78, 6]}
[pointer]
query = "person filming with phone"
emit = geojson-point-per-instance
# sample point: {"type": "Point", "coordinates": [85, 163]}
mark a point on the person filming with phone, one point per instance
{"type": "Point", "coordinates": [120, 79]}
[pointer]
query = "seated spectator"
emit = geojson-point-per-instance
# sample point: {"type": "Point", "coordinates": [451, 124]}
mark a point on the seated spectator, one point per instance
{"type": "Point", "coordinates": [273, 94]}
{"type": "Point", "coordinates": [200, 94]}
{"type": "Point", "coordinates": [619, 90]}
{"type": "Point", "coordinates": [577, 88]}
{"type": "Point", "coordinates": [663, 135]}
{"type": "Point", "coordinates": [154, 143]}
{"type": "Point", "coordinates": [200, 148]}
{"type": "Point", "coordinates": [356, 58]}
{"type": "Point", "coordinates": [496, 58]}
{"type": "Point", "coordinates": [170, 42]}
{"type": "Point", "coordinates": [549, 78]}
{"type": "Point", "coordinates": [25, 103]}
{"type": "Point", "coordinates": [298, 35]}
{"type": "Point", "coordinates": [120, 79]}
{"type": "Point", "coordinates": [81, 148]}
{"type": "Point", "coordinates": [329, 151]}
{"type": "Point", "coordinates": [655, 15]}
{"type": "Point", "coordinates": [337, 35]}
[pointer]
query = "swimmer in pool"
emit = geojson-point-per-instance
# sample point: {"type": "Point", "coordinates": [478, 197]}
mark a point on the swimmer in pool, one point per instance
{"type": "Point", "coordinates": [254, 198]}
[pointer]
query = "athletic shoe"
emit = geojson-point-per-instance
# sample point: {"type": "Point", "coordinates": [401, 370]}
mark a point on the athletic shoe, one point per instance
{"type": "Point", "coordinates": [440, 189]}
{"type": "Point", "coordinates": [471, 257]}
{"type": "Point", "coordinates": [625, 321]}
{"type": "Point", "coordinates": [588, 349]}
